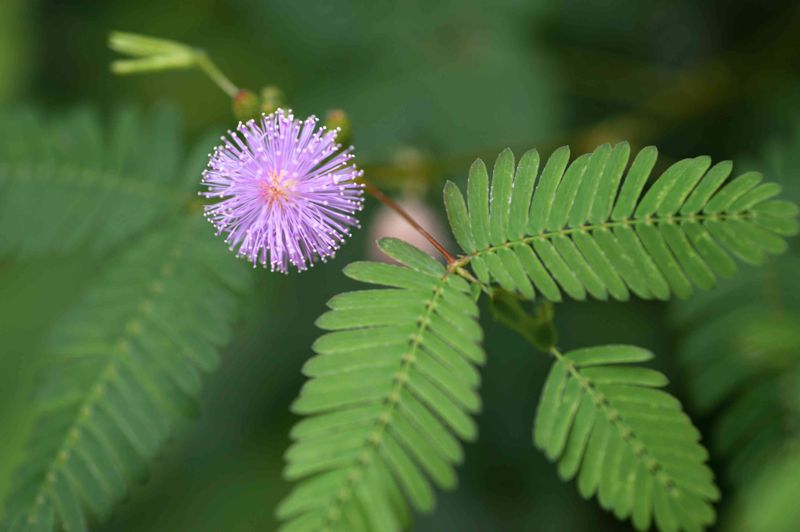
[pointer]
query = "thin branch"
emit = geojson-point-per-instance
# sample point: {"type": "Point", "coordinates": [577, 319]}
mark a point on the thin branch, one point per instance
{"type": "Point", "coordinates": [216, 75]}
{"type": "Point", "coordinates": [389, 202]}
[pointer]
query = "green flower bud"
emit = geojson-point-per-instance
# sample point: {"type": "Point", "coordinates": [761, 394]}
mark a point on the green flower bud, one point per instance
{"type": "Point", "coordinates": [338, 118]}
{"type": "Point", "coordinates": [271, 99]}
{"type": "Point", "coordinates": [246, 105]}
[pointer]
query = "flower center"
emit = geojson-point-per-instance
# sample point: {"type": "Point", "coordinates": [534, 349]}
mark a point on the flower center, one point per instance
{"type": "Point", "coordinates": [275, 188]}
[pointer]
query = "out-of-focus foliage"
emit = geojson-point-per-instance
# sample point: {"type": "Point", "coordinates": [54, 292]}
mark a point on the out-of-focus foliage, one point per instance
{"type": "Point", "coordinates": [741, 350]}
{"type": "Point", "coordinates": [769, 501]}
{"type": "Point", "coordinates": [130, 356]}
{"type": "Point", "coordinates": [27, 284]}
{"type": "Point", "coordinates": [713, 77]}
{"type": "Point", "coordinates": [71, 182]}
{"type": "Point", "coordinates": [125, 361]}
{"type": "Point", "coordinates": [17, 38]}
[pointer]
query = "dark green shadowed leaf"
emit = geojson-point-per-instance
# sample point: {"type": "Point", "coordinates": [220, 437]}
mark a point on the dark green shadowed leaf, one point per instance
{"type": "Point", "coordinates": [127, 362]}
{"type": "Point", "coordinates": [76, 182]}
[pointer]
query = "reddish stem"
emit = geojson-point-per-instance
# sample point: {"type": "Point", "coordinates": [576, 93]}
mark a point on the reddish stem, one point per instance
{"type": "Point", "coordinates": [389, 202]}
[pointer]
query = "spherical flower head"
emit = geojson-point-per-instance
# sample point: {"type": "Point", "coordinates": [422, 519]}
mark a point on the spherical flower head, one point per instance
{"type": "Point", "coordinates": [288, 191]}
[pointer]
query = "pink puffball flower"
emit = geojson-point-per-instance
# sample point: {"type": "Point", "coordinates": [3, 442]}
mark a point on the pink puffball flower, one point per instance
{"type": "Point", "coordinates": [288, 192]}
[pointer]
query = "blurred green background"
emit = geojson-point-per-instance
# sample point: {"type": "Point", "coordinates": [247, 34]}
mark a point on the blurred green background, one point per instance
{"type": "Point", "coordinates": [453, 80]}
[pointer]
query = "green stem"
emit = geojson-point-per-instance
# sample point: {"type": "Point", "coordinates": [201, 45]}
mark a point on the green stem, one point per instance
{"type": "Point", "coordinates": [216, 75]}
{"type": "Point", "coordinates": [536, 328]}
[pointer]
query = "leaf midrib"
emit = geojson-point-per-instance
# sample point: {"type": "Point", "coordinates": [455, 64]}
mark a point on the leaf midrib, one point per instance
{"type": "Point", "coordinates": [627, 433]}
{"type": "Point", "coordinates": [95, 395]}
{"type": "Point", "coordinates": [589, 228]}
{"type": "Point", "coordinates": [87, 177]}
{"type": "Point", "coordinates": [374, 440]}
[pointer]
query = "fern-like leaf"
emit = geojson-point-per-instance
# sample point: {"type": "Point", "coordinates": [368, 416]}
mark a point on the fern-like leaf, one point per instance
{"type": "Point", "coordinates": [128, 359]}
{"type": "Point", "coordinates": [390, 389]}
{"type": "Point", "coordinates": [630, 443]}
{"type": "Point", "coordinates": [590, 227]}
{"type": "Point", "coordinates": [75, 183]}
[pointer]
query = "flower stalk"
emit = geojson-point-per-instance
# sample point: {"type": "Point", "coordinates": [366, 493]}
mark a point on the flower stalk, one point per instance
{"type": "Point", "coordinates": [376, 193]}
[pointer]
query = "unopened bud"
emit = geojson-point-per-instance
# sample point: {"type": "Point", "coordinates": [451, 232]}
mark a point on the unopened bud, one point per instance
{"type": "Point", "coordinates": [338, 118]}
{"type": "Point", "coordinates": [245, 105]}
{"type": "Point", "coordinates": [271, 99]}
